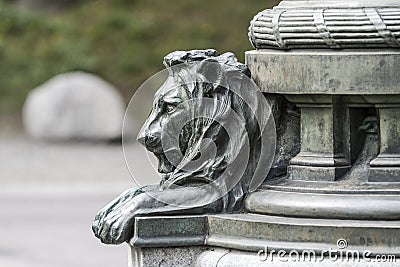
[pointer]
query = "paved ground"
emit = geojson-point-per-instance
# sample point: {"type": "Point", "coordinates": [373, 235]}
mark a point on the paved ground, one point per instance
{"type": "Point", "coordinates": [32, 163]}
{"type": "Point", "coordinates": [49, 194]}
{"type": "Point", "coordinates": [54, 231]}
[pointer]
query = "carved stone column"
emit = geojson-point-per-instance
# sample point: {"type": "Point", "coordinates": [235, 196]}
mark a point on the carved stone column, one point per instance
{"type": "Point", "coordinates": [325, 154]}
{"type": "Point", "coordinates": [386, 166]}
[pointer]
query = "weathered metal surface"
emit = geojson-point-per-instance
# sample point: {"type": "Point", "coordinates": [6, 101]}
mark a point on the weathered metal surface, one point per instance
{"type": "Point", "coordinates": [207, 106]}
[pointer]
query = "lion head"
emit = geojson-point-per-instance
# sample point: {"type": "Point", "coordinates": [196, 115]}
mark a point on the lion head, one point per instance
{"type": "Point", "coordinates": [205, 127]}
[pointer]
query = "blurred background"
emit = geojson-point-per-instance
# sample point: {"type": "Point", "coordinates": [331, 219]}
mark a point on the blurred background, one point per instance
{"type": "Point", "coordinates": [55, 177]}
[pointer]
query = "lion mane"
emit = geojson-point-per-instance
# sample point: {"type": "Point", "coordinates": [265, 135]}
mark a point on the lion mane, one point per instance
{"type": "Point", "coordinates": [221, 79]}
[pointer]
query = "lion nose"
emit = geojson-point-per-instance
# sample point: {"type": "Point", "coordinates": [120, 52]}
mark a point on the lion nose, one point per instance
{"type": "Point", "coordinates": [148, 139]}
{"type": "Point", "coordinates": [151, 140]}
{"type": "Point", "coordinates": [142, 136]}
{"type": "Point", "coordinates": [142, 140]}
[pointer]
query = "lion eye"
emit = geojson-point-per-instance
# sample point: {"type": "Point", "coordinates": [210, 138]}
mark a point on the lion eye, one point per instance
{"type": "Point", "coordinates": [169, 107]}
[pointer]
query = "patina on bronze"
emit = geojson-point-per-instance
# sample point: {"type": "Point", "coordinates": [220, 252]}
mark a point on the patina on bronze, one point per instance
{"type": "Point", "coordinates": [193, 89]}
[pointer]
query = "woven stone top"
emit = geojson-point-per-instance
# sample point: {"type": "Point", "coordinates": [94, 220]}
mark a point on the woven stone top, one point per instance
{"type": "Point", "coordinates": [313, 24]}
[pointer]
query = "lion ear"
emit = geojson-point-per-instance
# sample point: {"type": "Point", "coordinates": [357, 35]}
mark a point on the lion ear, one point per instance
{"type": "Point", "coordinates": [212, 71]}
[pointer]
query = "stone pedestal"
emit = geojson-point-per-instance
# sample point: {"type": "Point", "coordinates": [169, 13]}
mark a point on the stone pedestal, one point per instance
{"type": "Point", "coordinates": [348, 166]}
{"type": "Point", "coordinates": [260, 240]}
{"type": "Point", "coordinates": [334, 89]}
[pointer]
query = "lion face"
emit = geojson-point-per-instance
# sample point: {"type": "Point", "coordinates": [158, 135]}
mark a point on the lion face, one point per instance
{"type": "Point", "coordinates": [168, 105]}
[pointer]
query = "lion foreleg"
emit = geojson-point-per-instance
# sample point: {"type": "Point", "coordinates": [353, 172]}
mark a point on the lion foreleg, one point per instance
{"type": "Point", "coordinates": [117, 226]}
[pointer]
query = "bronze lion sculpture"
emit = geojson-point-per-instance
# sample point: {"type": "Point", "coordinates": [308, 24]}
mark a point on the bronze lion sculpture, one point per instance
{"type": "Point", "coordinates": [207, 138]}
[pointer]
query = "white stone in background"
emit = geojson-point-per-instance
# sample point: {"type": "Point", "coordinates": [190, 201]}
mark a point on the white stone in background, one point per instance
{"type": "Point", "coordinates": [74, 105]}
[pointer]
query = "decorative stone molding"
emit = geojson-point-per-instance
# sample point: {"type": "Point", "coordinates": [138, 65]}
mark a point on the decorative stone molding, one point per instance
{"type": "Point", "coordinates": [324, 27]}
{"type": "Point", "coordinates": [209, 240]}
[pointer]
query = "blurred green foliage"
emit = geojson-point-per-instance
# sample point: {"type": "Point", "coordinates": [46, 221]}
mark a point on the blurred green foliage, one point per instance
{"type": "Point", "coordinates": [123, 41]}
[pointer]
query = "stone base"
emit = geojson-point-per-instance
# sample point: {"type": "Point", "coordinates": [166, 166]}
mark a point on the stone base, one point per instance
{"type": "Point", "coordinates": [232, 258]}
{"type": "Point", "coordinates": [163, 257]}
{"type": "Point", "coordinates": [385, 174]}
{"type": "Point", "coordinates": [312, 173]}
{"type": "Point", "coordinates": [363, 206]}
{"type": "Point", "coordinates": [243, 239]}
{"type": "Point", "coordinates": [220, 257]}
